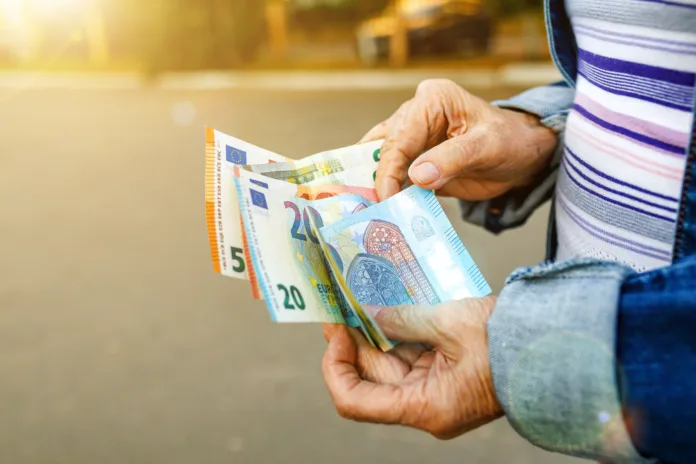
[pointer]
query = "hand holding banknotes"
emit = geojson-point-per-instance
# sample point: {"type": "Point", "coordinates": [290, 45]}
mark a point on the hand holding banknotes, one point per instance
{"type": "Point", "coordinates": [445, 391]}
{"type": "Point", "coordinates": [449, 140]}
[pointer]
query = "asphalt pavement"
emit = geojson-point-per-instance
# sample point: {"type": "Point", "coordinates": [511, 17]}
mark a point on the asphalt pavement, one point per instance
{"type": "Point", "coordinates": [118, 343]}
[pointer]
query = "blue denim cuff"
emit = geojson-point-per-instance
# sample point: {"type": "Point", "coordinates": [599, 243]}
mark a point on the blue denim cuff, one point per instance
{"type": "Point", "coordinates": [551, 103]}
{"type": "Point", "coordinates": [552, 349]}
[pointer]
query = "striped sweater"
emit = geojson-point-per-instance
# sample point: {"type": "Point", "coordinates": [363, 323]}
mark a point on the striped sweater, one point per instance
{"type": "Point", "coordinates": [628, 133]}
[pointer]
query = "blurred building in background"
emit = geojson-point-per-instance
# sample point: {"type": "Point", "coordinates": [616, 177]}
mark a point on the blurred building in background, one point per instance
{"type": "Point", "coordinates": [157, 35]}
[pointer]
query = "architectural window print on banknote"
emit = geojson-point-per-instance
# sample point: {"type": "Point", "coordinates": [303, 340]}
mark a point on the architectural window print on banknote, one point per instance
{"type": "Point", "coordinates": [403, 251]}
{"type": "Point", "coordinates": [386, 272]}
{"type": "Point", "coordinates": [311, 239]}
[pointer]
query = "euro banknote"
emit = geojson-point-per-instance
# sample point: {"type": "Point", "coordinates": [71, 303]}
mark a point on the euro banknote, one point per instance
{"type": "Point", "coordinates": [287, 261]}
{"type": "Point", "coordinates": [303, 192]}
{"type": "Point", "coordinates": [401, 251]}
{"type": "Point", "coordinates": [226, 236]}
{"type": "Point", "coordinates": [364, 157]}
{"type": "Point", "coordinates": [223, 153]}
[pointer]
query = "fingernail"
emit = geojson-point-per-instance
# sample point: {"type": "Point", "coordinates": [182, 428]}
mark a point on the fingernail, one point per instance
{"type": "Point", "coordinates": [425, 173]}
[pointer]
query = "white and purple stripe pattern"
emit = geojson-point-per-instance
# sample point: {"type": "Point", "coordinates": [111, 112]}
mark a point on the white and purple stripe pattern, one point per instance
{"type": "Point", "coordinates": [629, 131]}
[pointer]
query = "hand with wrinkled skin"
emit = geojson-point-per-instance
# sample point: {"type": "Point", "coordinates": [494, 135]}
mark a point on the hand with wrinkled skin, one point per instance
{"type": "Point", "coordinates": [448, 140]}
{"type": "Point", "coordinates": [439, 381]}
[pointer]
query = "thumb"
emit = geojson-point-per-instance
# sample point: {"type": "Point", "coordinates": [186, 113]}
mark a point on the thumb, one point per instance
{"type": "Point", "coordinates": [451, 159]}
{"type": "Point", "coordinates": [407, 323]}
{"type": "Point", "coordinates": [411, 131]}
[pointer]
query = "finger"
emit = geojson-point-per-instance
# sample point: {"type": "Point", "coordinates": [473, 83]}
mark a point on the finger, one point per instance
{"type": "Point", "coordinates": [329, 330]}
{"type": "Point", "coordinates": [407, 323]}
{"type": "Point", "coordinates": [421, 368]}
{"type": "Point", "coordinates": [355, 398]}
{"type": "Point", "coordinates": [412, 130]}
{"type": "Point", "coordinates": [409, 353]}
{"type": "Point", "coordinates": [372, 364]}
{"type": "Point", "coordinates": [420, 125]}
{"type": "Point", "coordinates": [452, 158]}
{"type": "Point", "coordinates": [360, 341]}
{"type": "Point", "coordinates": [378, 132]}
{"type": "Point", "coordinates": [403, 142]}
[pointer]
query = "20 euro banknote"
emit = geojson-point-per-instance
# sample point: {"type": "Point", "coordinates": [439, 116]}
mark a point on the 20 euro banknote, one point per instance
{"type": "Point", "coordinates": [303, 192]}
{"type": "Point", "coordinates": [223, 153]}
{"type": "Point", "coordinates": [289, 264]}
{"type": "Point", "coordinates": [401, 251]}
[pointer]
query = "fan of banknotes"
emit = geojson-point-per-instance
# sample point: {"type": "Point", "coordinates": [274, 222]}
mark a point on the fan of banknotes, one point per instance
{"type": "Point", "coordinates": [315, 244]}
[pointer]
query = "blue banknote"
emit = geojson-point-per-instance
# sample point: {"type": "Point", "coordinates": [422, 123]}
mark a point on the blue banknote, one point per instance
{"type": "Point", "coordinates": [402, 251]}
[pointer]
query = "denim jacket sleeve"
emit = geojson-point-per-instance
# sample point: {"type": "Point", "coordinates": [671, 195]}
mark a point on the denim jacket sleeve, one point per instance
{"type": "Point", "coordinates": [552, 341]}
{"type": "Point", "coordinates": [552, 104]}
{"type": "Point", "coordinates": [657, 357]}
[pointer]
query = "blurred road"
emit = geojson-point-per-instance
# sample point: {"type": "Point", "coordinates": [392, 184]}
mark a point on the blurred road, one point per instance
{"type": "Point", "coordinates": [118, 343]}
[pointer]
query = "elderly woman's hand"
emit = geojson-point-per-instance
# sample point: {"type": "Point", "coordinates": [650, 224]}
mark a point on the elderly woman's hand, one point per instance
{"type": "Point", "coordinates": [449, 140]}
{"type": "Point", "coordinates": [443, 387]}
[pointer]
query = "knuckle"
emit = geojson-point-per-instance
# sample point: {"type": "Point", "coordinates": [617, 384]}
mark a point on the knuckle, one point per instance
{"type": "Point", "coordinates": [399, 317]}
{"type": "Point", "coordinates": [342, 412]}
{"type": "Point", "coordinates": [441, 429]}
{"type": "Point", "coordinates": [343, 409]}
{"type": "Point", "coordinates": [442, 436]}
{"type": "Point", "coordinates": [426, 86]}
{"type": "Point", "coordinates": [394, 160]}
{"type": "Point", "coordinates": [325, 363]}
{"type": "Point", "coordinates": [430, 85]}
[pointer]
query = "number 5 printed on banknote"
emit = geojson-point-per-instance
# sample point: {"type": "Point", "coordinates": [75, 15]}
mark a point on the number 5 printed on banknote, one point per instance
{"type": "Point", "coordinates": [223, 153]}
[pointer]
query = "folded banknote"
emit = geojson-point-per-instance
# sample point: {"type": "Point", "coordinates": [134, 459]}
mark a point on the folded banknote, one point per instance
{"type": "Point", "coordinates": [287, 261]}
{"type": "Point", "coordinates": [315, 244]}
{"type": "Point", "coordinates": [362, 158]}
{"type": "Point", "coordinates": [400, 252]}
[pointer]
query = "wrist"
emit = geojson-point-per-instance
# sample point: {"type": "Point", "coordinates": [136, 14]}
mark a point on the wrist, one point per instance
{"type": "Point", "coordinates": [535, 142]}
{"type": "Point", "coordinates": [495, 408]}
{"type": "Point", "coordinates": [542, 137]}
{"type": "Point", "coordinates": [491, 407]}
